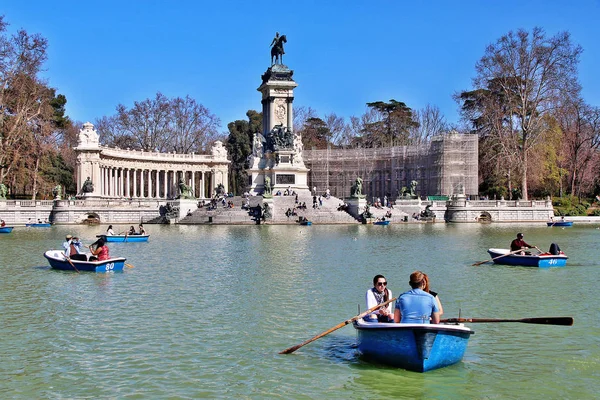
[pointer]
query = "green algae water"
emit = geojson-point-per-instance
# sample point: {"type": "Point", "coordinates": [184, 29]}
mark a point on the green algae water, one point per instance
{"type": "Point", "coordinates": [206, 309]}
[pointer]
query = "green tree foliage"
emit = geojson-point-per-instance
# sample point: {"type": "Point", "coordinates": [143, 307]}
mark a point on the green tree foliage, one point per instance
{"type": "Point", "coordinates": [393, 125]}
{"type": "Point", "coordinates": [239, 148]}
{"type": "Point", "coordinates": [315, 134]}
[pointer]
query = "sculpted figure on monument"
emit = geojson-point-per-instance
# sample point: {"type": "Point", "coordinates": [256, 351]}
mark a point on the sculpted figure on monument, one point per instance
{"type": "Point", "coordinates": [277, 51]}
{"type": "Point", "coordinates": [185, 192]}
{"type": "Point", "coordinates": [356, 190]}
{"type": "Point", "coordinates": [88, 186]}
{"type": "Point", "coordinates": [57, 192]}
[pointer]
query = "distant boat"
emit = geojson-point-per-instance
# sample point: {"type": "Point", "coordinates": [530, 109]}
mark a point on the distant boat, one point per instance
{"type": "Point", "coordinates": [124, 238]}
{"type": "Point", "coordinates": [6, 229]}
{"type": "Point", "coordinates": [381, 222]}
{"type": "Point", "coordinates": [306, 223]}
{"type": "Point", "coordinates": [39, 225]}
{"type": "Point", "coordinates": [57, 260]}
{"type": "Point", "coordinates": [502, 256]}
{"type": "Point", "coordinates": [560, 223]}
{"type": "Point", "coordinates": [415, 347]}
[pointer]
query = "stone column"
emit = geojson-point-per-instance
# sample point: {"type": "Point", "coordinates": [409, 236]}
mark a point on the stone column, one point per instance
{"type": "Point", "coordinates": [290, 113]}
{"type": "Point", "coordinates": [193, 183]}
{"type": "Point", "coordinates": [128, 184]}
{"type": "Point", "coordinates": [150, 183]}
{"type": "Point", "coordinates": [165, 179]}
{"type": "Point", "coordinates": [142, 194]}
{"type": "Point", "coordinates": [157, 184]}
{"type": "Point", "coordinates": [135, 184]}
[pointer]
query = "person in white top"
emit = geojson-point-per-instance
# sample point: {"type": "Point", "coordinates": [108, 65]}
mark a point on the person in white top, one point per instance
{"type": "Point", "coordinates": [378, 294]}
{"type": "Point", "coordinates": [109, 231]}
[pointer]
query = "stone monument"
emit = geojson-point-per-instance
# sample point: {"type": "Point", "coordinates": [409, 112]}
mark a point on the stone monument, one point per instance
{"type": "Point", "coordinates": [277, 150]}
{"type": "Point", "coordinates": [88, 157]}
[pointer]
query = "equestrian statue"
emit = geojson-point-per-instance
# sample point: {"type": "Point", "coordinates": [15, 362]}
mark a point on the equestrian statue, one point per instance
{"type": "Point", "coordinates": [277, 51]}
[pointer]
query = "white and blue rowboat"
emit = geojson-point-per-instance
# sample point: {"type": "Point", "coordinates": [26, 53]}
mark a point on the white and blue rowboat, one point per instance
{"type": "Point", "coordinates": [542, 260]}
{"type": "Point", "coordinates": [381, 223]}
{"type": "Point", "coordinates": [124, 238]}
{"type": "Point", "coordinates": [57, 260]}
{"type": "Point", "coordinates": [6, 229]}
{"type": "Point", "coordinates": [560, 223]}
{"type": "Point", "coordinates": [39, 225]}
{"type": "Point", "coordinates": [415, 347]}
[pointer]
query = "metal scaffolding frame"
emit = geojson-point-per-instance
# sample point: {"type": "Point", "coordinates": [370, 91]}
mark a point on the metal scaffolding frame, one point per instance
{"type": "Point", "coordinates": [446, 165]}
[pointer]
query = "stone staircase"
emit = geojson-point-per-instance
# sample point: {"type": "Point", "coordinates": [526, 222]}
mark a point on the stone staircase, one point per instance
{"type": "Point", "coordinates": [327, 213]}
{"type": "Point", "coordinates": [225, 215]}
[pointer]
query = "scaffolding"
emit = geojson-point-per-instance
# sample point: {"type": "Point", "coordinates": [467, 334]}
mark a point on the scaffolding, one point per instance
{"type": "Point", "coordinates": [447, 165]}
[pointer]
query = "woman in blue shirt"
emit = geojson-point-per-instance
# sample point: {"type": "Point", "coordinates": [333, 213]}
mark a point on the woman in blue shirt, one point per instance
{"type": "Point", "coordinates": [417, 306]}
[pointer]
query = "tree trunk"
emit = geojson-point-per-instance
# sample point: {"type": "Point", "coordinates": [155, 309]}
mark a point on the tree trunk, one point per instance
{"type": "Point", "coordinates": [35, 176]}
{"type": "Point", "coordinates": [524, 176]}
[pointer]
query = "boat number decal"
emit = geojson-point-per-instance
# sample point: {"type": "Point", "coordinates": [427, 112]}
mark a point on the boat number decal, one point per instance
{"type": "Point", "coordinates": [553, 261]}
{"type": "Point", "coordinates": [110, 266]}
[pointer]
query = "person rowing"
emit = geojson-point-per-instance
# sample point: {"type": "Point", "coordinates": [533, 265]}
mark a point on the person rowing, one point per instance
{"type": "Point", "coordinates": [520, 244]}
{"type": "Point", "coordinates": [417, 306]}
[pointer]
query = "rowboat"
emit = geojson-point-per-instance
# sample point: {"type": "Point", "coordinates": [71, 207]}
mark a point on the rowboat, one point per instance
{"type": "Point", "coordinates": [57, 260]}
{"type": "Point", "coordinates": [39, 225]}
{"type": "Point", "coordinates": [306, 223]}
{"type": "Point", "coordinates": [543, 260]}
{"type": "Point", "coordinates": [124, 238]}
{"type": "Point", "coordinates": [560, 223]}
{"type": "Point", "coordinates": [415, 347]}
{"type": "Point", "coordinates": [6, 229]}
{"type": "Point", "coordinates": [381, 222]}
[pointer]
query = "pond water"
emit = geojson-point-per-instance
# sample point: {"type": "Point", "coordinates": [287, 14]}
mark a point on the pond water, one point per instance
{"type": "Point", "coordinates": [206, 309]}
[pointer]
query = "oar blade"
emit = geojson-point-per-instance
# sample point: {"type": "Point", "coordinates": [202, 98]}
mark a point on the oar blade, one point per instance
{"type": "Point", "coordinates": [566, 321]}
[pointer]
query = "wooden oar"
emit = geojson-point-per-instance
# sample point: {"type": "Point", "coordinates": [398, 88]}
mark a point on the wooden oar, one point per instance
{"type": "Point", "coordinates": [129, 265]}
{"type": "Point", "coordinates": [495, 258]}
{"type": "Point", "coordinates": [335, 328]}
{"type": "Point", "coordinates": [568, 321]}
{"type": "Point", "coordinates": [72, 265]}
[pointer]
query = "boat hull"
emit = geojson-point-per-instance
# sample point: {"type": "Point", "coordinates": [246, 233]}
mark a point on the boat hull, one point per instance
{"type": "Point", "coordinates": [544, 260]}
{"type": "Point", "coordinates": [124, 238]}
{"type": "Point", "coordinates": [57, 260]}
{"type": "Point", "coordinates": [415, 347]}
{"type": "Point", "coordinates": [6, 229]}
{"type": "Point", "coordinates": [42, 225]}
{"type": "Point", "coordinates": [306, 223]}
{"type": "Point", "coordinates": [560, 223]}
{"type": "Point", "coordinates": [381, 223]}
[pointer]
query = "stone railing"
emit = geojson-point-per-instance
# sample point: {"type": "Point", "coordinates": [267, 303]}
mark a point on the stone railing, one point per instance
{"type": "Point", "coordinates": [26, 203]}
{"type": "Point", "coordinates": [157, 156]}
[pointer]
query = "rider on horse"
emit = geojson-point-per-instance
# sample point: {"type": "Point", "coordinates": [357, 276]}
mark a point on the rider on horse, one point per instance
{"type": "Point", "coordinates": [277, 47]}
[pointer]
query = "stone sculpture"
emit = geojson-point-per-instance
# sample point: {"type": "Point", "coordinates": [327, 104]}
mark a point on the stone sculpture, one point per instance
{"type": "Point", "coordinates": [57, 192]}
{"type": "Point", "coordinates": [185, 192]}
{"type": "Point", "coordinates": [88, 186]}
{"type": "Point", "coordinates": [356, 190]}
{"type": "Point", "coordinates": [3, 191]}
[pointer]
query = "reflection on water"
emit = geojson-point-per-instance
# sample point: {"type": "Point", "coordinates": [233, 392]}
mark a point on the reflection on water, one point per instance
{"type": "Point", "coordinates": [206, 309]}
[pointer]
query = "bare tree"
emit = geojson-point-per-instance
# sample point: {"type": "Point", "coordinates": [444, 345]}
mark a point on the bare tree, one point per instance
{"type": "Point", "coordinates": [193, 125]}
{"type": "Point", "coordinates": [530, 72]}
{"type": "Point", "coordinates": [431, 122]}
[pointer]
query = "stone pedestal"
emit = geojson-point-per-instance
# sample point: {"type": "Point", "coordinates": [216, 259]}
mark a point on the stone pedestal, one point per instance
{"type": "Point", "coordinates": [277, 151]}
{"type": "Point", "coordinates": [185, 205]}
{"type": "Point", "coordinates": [356, 206]}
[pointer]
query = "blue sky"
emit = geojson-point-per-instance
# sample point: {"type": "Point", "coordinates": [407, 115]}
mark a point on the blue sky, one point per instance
{"type": "Point", "coordinates": [343, 53]}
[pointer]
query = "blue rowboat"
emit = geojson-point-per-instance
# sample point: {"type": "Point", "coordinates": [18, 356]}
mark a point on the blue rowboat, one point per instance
{"type": "Point", "coordinates": [306, 223]}
{"type": "Point", "coordinates": [57, 260]}
{"type": "Point", "coordinates": [381, 223]}
{"type": "Point", "coordinates": [124, 238]}
{"type": "Point", "coordinates": [542, 260]}
{"type": "Point", "coordinates": [6, 229]}
{"type": "Point", "coordinates": [39, 225]}
{"type": "Point", "coordinates": [560, 223]}
{"type": "Point", "coordinates": [415, 347]}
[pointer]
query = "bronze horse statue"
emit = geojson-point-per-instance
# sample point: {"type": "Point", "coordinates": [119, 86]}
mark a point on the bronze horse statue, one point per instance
{"type": "Point", "coordinates": [277, 50]}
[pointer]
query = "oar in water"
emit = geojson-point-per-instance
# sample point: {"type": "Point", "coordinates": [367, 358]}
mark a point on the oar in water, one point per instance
{"type": "Point", "coordinates": [567, 321]}
{"type": "Point", "coordinates": [129, 265]}
{"type": "Point", "coordinates": [335, 328]}
{"type": "Point", "coordinates": [495, 258]}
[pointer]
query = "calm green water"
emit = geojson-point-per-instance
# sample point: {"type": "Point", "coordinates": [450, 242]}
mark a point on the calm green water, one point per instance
{"type": "Point", "coordinates": [206, 309]}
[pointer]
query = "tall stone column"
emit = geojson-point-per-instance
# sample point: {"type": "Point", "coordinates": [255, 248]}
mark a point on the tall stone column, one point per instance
{"type": "Point", "coordinates": [165, 180]}
{"type": "Point", "coordinates": [142, 187]}
{"type": "Point", "coordinates": [150, 183]}
{"type": "Point", "coordinates": [135, 191]}
{"type": "Point", "coordinates": [128, 184]}
{"type": "Point", "coordinates": [157, 183]}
